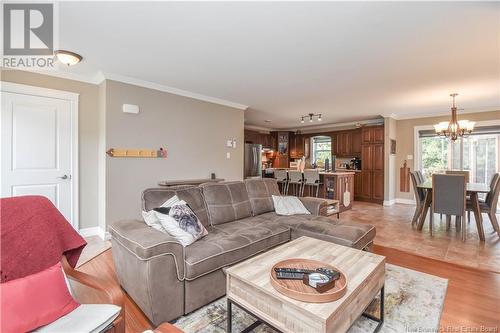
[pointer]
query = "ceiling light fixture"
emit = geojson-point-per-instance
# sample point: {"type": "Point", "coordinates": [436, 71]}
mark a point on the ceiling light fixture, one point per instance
{"type": "Point", "coordinates": [455, 128]}
{"type": "Point", "coordinates": [311, 117]}
{"type": "Point", "coordinates": [67, 57]}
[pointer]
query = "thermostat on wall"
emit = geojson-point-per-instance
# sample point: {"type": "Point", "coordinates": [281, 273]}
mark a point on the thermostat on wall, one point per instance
{"type": "Point", "coordinates": [130, 108]}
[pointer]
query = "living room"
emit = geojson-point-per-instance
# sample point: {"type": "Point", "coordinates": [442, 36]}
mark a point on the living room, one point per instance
{"type": "Point", "coordinates": [363, 137]}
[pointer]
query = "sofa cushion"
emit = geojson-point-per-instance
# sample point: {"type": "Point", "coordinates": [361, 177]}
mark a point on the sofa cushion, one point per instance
{"type": "Point", "coordinates": [226, 202]}
{"type": "Point", "coordinates": [356, 235]}
{"type": "Point", "coordinates": [155, 197]}
{"type": "Point", "coordinates": [229, 243]}
{"type": "Point", "coordinates": [260, 192]}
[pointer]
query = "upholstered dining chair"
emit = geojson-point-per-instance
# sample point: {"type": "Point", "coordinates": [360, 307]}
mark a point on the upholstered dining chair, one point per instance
{"type": "Point", "coordinates": [448, 197]}
{"type": "Point", "coordinates": [464, 173]}
{"type": "Point", "coordinates": [295, 179]}
{"type": "Point", "coordinates": [281, 175]}
{"type": "Point", "coordinates": [489, 204]}
{"type": "Point", "coordinates": [419, 196]}
{"type": "Point", "coordinates": [311, 180]}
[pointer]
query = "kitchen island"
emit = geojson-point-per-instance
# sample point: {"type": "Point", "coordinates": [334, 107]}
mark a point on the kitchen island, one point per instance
{"type": "Point", "coordinates": [338, 185]}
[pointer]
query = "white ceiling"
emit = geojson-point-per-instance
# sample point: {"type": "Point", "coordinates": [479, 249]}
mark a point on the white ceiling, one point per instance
{"type": "Point", "coordinates": [348, 61]}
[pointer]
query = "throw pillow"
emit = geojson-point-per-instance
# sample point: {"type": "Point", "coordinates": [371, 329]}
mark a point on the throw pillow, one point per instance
{"type": "Point", "coordinates": [181, 223]}
{"type": "Point", "coordinates": [35, 300]}
{"type": "Point", "coordinates": [288, 205]}
{"type": "Point", "coordinates": [152, 220]}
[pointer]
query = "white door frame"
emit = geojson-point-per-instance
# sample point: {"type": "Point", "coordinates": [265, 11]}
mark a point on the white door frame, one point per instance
{"type": "Point", "coordinates": [73, 98]}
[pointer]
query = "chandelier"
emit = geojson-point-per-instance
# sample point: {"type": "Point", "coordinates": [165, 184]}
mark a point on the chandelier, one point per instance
{"type": "Point", "coordinates": [455, 128]}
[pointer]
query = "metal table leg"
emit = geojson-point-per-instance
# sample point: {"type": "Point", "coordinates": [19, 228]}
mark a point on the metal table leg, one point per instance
{"type": "Point", "coordinates": [379, 320]}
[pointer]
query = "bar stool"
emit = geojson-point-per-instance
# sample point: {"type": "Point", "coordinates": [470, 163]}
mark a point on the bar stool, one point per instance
{"type": "Point", "coordinates": [311, 180]}
{"type": "Point", "coordinates": [295, 179]}
{"type": "Point", "coordinates": [281, 176]}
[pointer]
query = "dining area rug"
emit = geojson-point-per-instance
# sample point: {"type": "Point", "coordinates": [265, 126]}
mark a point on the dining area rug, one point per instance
{"type": "Point", "coordinates": [413, 303]}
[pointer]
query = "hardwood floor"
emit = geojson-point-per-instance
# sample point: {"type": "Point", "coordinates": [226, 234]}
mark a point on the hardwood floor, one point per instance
{"type": "Point", "coordinates": [472, 299]}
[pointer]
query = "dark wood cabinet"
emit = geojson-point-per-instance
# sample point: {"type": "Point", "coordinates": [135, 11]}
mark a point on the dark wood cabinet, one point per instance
{"type": "Point", "coordinates": [347, 143]}
{"type": "Point", "coordinates": [296, 145]}
{"type": "Point", "coordinates": [366, 157]}
{"type": "Point", "coordinates": [264, 139]}
{"type": "Point", "coordinates": [356, 142]}
{"type": "Point", "coordinates": [377, 157]}
{"type": "Point", "coordinates": [366, 185]}
{"type": "Point", "coordinates": [357, 185]}
{"type": "Point", "coordinates": [378, 134]}
{"type": "Point", "coordinates": [378, 185]}
{"type": "Point", "coordinates": [372, 164]}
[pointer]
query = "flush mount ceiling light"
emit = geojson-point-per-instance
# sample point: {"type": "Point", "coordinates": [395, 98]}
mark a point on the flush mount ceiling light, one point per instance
{"type": "Point", "coordinates": [311, 117]}
{"type": "Point", "coordinates": [67, 57]}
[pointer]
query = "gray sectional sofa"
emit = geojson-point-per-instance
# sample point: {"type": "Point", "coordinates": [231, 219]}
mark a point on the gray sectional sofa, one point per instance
{"type": "Point", "coordinates": [167, 280]}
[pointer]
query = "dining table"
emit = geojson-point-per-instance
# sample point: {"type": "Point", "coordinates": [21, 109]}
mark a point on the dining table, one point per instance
{"type": "Point", "coordinates": [473, 190]}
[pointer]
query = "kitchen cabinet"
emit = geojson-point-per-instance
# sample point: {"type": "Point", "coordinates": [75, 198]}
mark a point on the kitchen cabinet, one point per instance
{"type": "Point", "coordinates": [255, 137]}
{"type": "Point", "coordinates": [357, 185]}
{"type": "Point", "coordinates": [335, 185]}
{"type": "Point", "coordinates": [296, 145]}
{"type": "Point", "coordinates": [356, 142]}
{"type": "Point", "coordinates": [372, 165]}
{"type": "Point", "coordinates": [378, 185]}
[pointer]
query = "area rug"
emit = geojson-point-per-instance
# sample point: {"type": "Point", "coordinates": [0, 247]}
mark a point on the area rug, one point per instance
{"type": "Point", "coordinates": [413, 303]}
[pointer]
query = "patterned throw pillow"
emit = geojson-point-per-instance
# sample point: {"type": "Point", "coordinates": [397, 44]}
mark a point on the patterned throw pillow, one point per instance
{"type": "Point", "coordinates": [181, 223]}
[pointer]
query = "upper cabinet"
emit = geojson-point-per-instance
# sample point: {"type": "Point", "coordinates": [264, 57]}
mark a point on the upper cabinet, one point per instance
{"type": "Point", "coordinates": [347, 143]}
{"type": "Point", "coordinates": [264, 139]}
{"type": "Point", "coordinates": [296, 145]}
{"type": "Point", "coordinates": [372, 134]}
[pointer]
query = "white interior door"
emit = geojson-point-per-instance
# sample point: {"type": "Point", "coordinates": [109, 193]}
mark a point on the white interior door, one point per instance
{"type": "Point", "coordinates": [37, 148]}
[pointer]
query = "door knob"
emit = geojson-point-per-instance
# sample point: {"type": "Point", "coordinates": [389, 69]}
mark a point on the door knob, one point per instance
{"type": "Point", "coordinates": [65, 177]}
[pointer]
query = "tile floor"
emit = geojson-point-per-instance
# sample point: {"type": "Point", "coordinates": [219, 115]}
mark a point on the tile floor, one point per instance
{"type": "Point", "coordinates": [394, 230]}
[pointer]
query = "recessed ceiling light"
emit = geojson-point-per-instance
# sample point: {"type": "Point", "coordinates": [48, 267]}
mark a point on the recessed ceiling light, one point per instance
{"type": "Point", "coordinates": [67, 57]}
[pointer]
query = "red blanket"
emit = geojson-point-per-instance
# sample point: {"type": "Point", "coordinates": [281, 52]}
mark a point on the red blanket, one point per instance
{"type": "Point", "coordinates": [34, 236]}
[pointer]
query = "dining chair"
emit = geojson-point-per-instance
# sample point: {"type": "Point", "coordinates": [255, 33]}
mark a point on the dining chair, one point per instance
{"type": "Point", "coordinates": [281, 176]}
{"type": "Point", "coordinates": [311, 180]}
{"type": "Point", "coordinates": [464, 173]}
{"type": "Point", "coordinates": [419, 196]}
{"type": "Point", "coordinates": [421, 178]}
{"type": "Point", "coordinates": [489, 204]}
{"type": "Point", "coordinates": [295, 179]}
{"type": "Point", "coordinates": [448, 197]}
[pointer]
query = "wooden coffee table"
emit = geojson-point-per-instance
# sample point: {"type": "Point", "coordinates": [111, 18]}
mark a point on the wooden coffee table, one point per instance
{"type": "Point", "coordinates": [249, 287]}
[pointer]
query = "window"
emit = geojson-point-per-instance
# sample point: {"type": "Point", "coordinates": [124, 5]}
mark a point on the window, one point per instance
{"type": "Point", "coordinates": [478, 153]}
{"type": "Point", "coordinates": [321, 149]}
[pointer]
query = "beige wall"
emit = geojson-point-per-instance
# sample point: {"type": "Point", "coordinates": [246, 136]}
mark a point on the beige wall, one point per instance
{"type": "Point", "coordinates": [405, 138]}
{"type": "Point", "coordinates": [88, 131]}
{"type": "Point", "coordinates": [389, 160]}
{"type": "Point", "coordinates": [194, 133]}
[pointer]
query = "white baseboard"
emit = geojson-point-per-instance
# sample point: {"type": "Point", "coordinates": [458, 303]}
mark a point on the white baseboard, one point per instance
{"type": "Point", "coordinates": [389, 202]}
{"type": "Point", "coordinates": [405, 201]}
{"type": "Point", "coordinates": [95, 231]}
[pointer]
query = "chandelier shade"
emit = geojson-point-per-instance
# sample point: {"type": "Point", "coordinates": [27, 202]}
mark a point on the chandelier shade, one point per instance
{"type": "Point", "coordinates": [454, 128]}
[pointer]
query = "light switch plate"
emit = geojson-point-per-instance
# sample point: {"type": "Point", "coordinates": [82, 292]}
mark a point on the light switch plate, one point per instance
{"type": "Point", "coordinates": [409, 157]}
{"type": "Point", "coordinates": [229, 143]}
{"type": "Point", "coordinates": [228, 155]}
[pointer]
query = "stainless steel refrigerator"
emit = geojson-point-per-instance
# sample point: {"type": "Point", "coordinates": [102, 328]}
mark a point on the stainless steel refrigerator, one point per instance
{"type": "Point", "coordinates": [253, 160]}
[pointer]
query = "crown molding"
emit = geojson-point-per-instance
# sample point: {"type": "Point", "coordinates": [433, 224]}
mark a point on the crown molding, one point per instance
{"type": "Point", "coordinates": [100, 76]}
{"type": "Point", "coordinates": [258, 128]}
{"type": "Point", "coordinates": [172, 90]}
{"type": "Point", "coordinates": [445, 113]}
{"type": "Point", "coordinates": [96, 78]}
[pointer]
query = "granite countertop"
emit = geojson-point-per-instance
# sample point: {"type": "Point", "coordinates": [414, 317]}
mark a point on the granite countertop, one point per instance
{"type": "Point", "coordinates": [337, 173]}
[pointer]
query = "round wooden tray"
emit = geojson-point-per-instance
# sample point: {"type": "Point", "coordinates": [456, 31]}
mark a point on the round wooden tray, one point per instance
{"type": "Point", "coordinates": [296, 289]}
